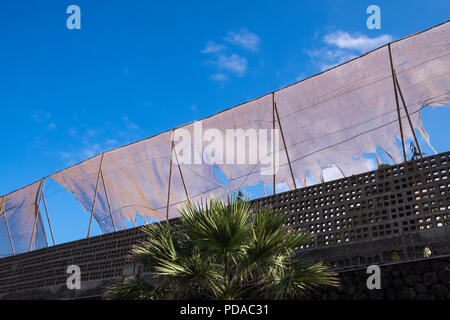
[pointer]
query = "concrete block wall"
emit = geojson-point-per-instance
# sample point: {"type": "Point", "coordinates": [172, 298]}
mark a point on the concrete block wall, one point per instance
{"type": "Point", "coordinates": [358, 221]}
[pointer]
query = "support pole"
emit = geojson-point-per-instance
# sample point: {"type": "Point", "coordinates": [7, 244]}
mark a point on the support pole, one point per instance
{"type": "Point", "coordinates": [285, 147]}
{"type": "Point", "coordinates": [273, 143]}
{"type": "Point", "coordinates": [48, 219]}
{"type": "Point", "coordinates": [3, 207]}
{"type": "Point", "coordinates": [398, 106]}
{"type": "Point", "coordinates": [170, 181]}
{"type": "Point", "coordinates": [95, 195]}
{"type": "Point", "coordinates": [36, 213]}
{"type": "Point", "coordinates": [107, 200]}
{"type": "Point", "coordinates": [407, 115]}
{"type": "Point", "coordinates": [181, 172]}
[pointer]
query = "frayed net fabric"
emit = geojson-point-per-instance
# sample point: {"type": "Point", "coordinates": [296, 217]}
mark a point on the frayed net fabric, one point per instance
{"type": "Point", "coordinates": [21, 225]}
{"type": "Point", "coordinates": [330, 119]}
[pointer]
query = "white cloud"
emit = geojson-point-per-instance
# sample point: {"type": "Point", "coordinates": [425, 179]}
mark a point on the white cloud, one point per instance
{"type": "Point", "coordinates": [359, 42]}
{"type": "Point", "coordinates": [233, 63]}
{"type": "Point", "coordinates": [111, 142]}
{"type": "Point", "coordinates": [72, 132]}
{"type": "Point", "coordinates": [219, 77]}
{"type": "Point", "coordinates": [193, 108]}
{"type": "Point", "coordinates": [40, 116]}
{"type": "Point", "coordinates": [245, 39]}
{"type": "Point", "coordinates": [327, 58]}
{"type": "Point", "coordinates": [341, 46]}
{"type": "Point", "coordinates": [85, 141]}
{"type": "Point", "coordinates": [51, 126]}
{"type": "Point", "coordinates": [65, 155]}
{"type": "Point", "coordinates": [212, 47]}
{"type": "Point", "coordinates": [300, 77]}
{"type": "Point", "coordinates": [129, 124]}
{"type": "Point", "coordinates": [92, 132]}
{"type": "Point", "coordinates": [227, 62]}
{"type": "Point", "coordinates": [92, 150]}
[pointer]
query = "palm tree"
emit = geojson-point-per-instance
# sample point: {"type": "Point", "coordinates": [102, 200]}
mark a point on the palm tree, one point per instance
{"type": "Point", "coordinates": [223, 250]}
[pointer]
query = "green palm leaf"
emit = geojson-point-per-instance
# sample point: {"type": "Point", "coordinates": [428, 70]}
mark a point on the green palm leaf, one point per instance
{"type": "Point", "coordinates": [224, 250]}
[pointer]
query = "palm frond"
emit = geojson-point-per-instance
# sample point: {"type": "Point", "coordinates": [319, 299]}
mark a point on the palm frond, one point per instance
{"type": "Point", "coordinates": [135, 289]}
{"type": "Point", "coordinates": [224, 250]}
{"type": "Point", "coordinates": [297, 279]}
{"type": "Point", "coordinates": [161, 244]}
{"type": "Point", "coordinates": [218, 225]}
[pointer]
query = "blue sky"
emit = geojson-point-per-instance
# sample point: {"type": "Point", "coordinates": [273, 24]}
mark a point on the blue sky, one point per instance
{"type": "Point", "coordinates": [137, 68]}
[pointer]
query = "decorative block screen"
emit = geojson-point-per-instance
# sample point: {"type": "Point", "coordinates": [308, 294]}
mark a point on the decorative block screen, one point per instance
{"type": "Point", "coordinates": [358, 220]}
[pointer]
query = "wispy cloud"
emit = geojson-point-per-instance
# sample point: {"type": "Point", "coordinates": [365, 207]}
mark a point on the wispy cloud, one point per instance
{"type": "Point", "coordinates": [300, 77]}
{"type": "Point", "coordinates": [359, 42]}
{"type": "Point", "coordinates": [72, 132]}
{"type": "Point", "coordinates": [245, 39]}
{"type": "Point", "coordinates": [129, 124]}
{"type": "Point", "coordinates": [341, 46]}
{"type": "Point", "coordinates": [92, 150]}
{"type": "Point", "coordinates": [111, 142]}
{"type": "Point", "coordinates": [233, 63]}
{"type": "Point", "coordinates": [193, 108]}
{"type": "Point", "coordinates": [327, 58]}
{"type": "Point", "coordinates": [212, 47]}
{"type": "Point", "coordinates": [40, 116]}
{"type": "Point", "coordinates": [227, 62]}
{"type": "Point", "coordinates": [51, 126]}
{"type": "Point", "coordinates": [219, 77]}
{"type": "Point", "coordinates": [84, 141]}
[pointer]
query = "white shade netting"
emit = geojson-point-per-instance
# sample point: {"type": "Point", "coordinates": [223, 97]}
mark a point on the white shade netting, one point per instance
{"type": "Point", "coordinates": [422, 64]}
{"type": "Point", "coordinates": [336, 116]}
{"type": "Point", "coordinates": [19, 208]}
{"type": "Point", "coordinates": [136, 177]}
{"type": "Point", "coordinates": [330, 119]}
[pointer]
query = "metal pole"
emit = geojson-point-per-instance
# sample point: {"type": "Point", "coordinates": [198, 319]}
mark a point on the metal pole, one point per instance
{"type": "Point", "coordinates": [41, 222]}
{"type": "Point", "coordinates": [407, 115]}
{"type": "Point", "coordinates": [398, 106]}
{"type": "Point", "coordinates": [95, 195]}
{"type": "Point", "coordinates": [181, 173]}
{"type": "Point", "coordinates": [170, 181]}
{"type": "Point", "coordinates": [285, 147]}
{"type": "Point", "coordinates": [273, 143]}
{"type": "Point", "coordinates": [107, 200]}
{"type": "Point", "coordinates": [7, 225]}
{"type": "Point", "coordinates": [48, 219]}
{"type": "Point", "coordinates": [36, 213]}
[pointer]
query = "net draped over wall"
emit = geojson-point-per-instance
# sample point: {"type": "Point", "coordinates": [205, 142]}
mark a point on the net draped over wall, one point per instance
{"type": "Point", "coordinates": [329, 119]}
